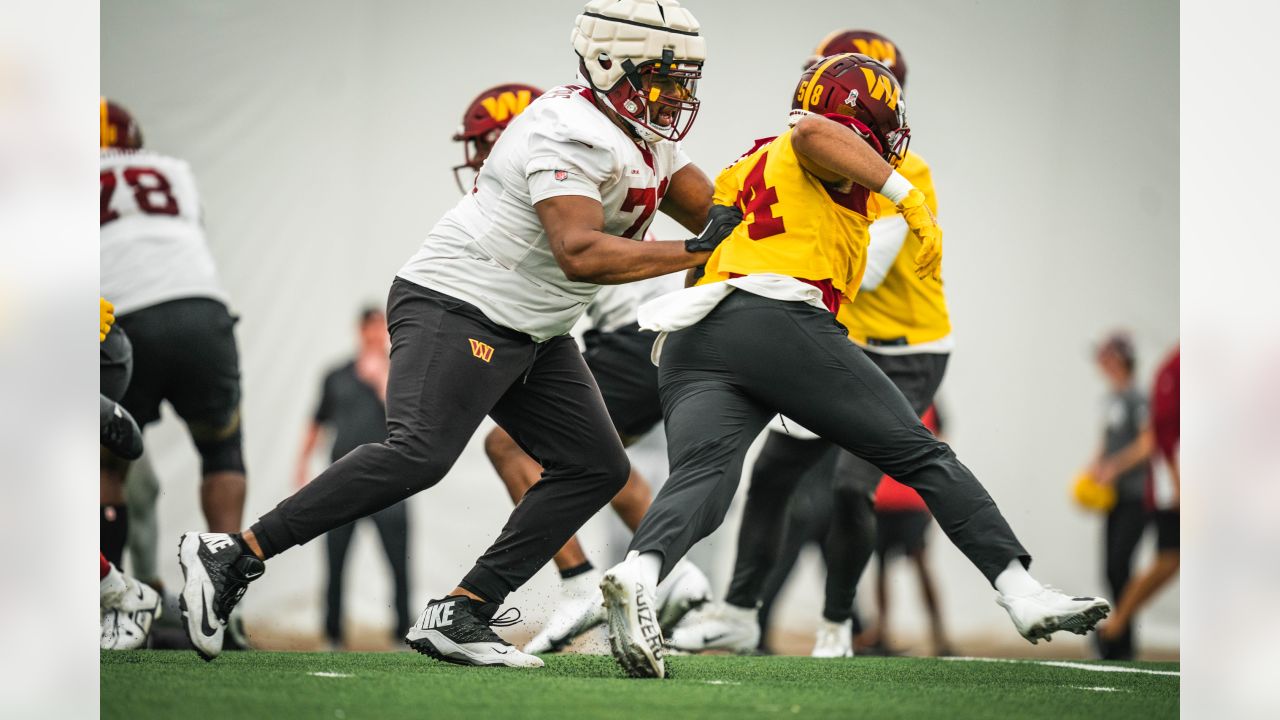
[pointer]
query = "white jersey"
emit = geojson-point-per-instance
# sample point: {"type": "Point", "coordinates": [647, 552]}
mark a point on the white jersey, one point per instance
{"type": "Point", "coordinates": [491, 250]}
{"type": "Point", "coordinates": [153, 245]}
{"type": "Point", "coordinates": [615, 306]}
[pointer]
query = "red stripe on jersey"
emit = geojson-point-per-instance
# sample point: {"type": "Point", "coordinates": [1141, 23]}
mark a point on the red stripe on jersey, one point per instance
{"type": "Point", "coordinates": [831, 297]}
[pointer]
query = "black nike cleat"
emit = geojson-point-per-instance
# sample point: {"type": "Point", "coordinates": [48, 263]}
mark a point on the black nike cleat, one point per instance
{"type": "Point", "coordinates": [458, 630]}
{"type": "Point", "coordinates": [216, 574]}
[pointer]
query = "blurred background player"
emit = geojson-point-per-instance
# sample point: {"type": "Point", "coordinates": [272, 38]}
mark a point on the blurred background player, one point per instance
{"type": "Point", "coordinates": [353, 407]}
{"type": "Point", "coordinates": [900, 320]}
{"type": "Point", "coordinates": [617, 354]}
{"type": "Point", "coordinates": [127, 607]}
{"type": "Point", "coordinates": [757, 337]}
{"type": "Point", "coordinates": [1160, 441]}
{"type": "Point", "coordinates": [479, 321]}
{"type": "Point", "coordinates": [157, 269]}
{"type": "Point", "coordinates": [1126, 416]}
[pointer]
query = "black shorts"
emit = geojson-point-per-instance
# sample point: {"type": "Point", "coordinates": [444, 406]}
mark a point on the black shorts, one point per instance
{"type": "Point", "coordinates": [628, 379]}
{"type": "Point", "coordinates": [184, 351]}
{"type": "Point", "coordinates": [901, 530]}
{"type": "Point", "coordinates": [1168, 531]}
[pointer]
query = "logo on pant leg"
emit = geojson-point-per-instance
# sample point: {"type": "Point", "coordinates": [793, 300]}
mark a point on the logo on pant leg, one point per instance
{"type": "Point", "coordinates": [481, 350]}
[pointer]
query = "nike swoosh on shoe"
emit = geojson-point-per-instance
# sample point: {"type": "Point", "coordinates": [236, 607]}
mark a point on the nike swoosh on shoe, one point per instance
{"type": "Point", "coordinates": [205, 628]}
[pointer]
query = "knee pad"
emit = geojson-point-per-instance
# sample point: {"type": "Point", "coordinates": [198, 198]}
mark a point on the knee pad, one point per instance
{"type": "Point", "coordinates": [220, 446]}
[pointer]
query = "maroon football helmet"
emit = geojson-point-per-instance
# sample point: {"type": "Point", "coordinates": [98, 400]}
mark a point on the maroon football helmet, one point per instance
{"type": "Point", "coordinates": [855, 85]}
{"type": "Point", "coordinates": [873, 45]}
{"type": "Point", "coordinates": [486, 117]}
{"type": "Point", "coordinates": [117, 128]}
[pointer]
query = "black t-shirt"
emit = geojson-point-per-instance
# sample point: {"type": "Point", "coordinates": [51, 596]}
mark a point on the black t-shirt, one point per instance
{"type": "Point", "coordinates": [1126, 413]}
{"type": "Point", "coordinates": [352, 409]}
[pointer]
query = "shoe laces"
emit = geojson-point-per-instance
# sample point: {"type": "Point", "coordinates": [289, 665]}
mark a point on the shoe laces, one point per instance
{"type": "Point", "coordinates": [503, 620]}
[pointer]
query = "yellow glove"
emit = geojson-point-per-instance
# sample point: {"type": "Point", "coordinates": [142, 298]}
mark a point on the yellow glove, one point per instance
{"type": "Point", "coordinates": [922, 223]}
{"type": "Point", "coordinates": [1093, 495]}
{"type": "Point", "coordinates": [106, 318]}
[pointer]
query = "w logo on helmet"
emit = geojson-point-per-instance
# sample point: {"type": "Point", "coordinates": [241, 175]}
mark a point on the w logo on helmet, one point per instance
{"type": "Point", "coordinates": [881, 50]}
{"type": "Point", "coordinates": [506, 105]}
{"type": "Point", "coordinates": [882, 88]}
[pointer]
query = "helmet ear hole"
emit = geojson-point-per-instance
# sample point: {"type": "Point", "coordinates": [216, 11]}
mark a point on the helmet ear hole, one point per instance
{"type": "Point", "coordinates": [604, 60]}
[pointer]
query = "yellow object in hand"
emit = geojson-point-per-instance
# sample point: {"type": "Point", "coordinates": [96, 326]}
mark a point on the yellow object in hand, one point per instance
{"type": "Point", "coordinates": [106, 318]}
{"type": "Point", "coordinates": [921, 221]}
{"type": "Point", "coordinates": [1093, 495]}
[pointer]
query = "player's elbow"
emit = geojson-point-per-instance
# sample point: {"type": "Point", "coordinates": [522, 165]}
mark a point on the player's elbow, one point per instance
{"type": "Point", "coordinates": [578, 269]}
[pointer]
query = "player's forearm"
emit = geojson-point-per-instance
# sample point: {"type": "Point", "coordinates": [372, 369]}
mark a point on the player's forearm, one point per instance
{"type": "Point", "coordinates": [839, 151]}
{"type": "Point", "coordinates": [609, 260]}
{"type": "Point", "coordinates": [1131, 455]}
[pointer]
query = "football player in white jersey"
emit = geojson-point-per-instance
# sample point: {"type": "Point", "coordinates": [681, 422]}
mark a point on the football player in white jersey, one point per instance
{"type": "Point", "coordinates": [157, 269]}
{"type": "Point", "coordinates": [617, 354]}
{"type": "Point", "coordinates": [479, 321]}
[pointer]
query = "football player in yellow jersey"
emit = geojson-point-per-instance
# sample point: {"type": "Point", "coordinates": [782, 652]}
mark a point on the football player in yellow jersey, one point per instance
{"type": "Point", "coordinates": [901, 321]}
{"type": "Point", "coordinates": [757, 337]}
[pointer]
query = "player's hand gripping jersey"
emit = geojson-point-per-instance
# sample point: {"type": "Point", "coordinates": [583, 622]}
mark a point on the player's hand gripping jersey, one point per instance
{"type": "Point", "coordinates": [794, 224]}
{"type": "Point", "coordinates": [491, 250]}
{"type": "Point", "coordinates": [153, 244]}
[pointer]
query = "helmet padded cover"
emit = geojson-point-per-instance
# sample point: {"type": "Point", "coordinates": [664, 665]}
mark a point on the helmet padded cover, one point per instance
{"type": "Point", "coordinates": [593, 36]}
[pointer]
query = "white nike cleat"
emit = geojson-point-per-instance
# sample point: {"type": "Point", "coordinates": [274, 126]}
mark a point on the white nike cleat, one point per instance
{"type": "Point", "coordinates": [126, 625]}
{"type": "Point", "coordinates": [582, 610]}
{"type": "Point", "coordinates": [685, 588]}
{"type": "Point", "coordinates": [111, 588]}
{"type": "Point", "coordinates": [216, 573]}
{"type": "Point", "coordinates": [635, 637]}
{"type": "Point", "coordinates": [834, 640]}
{"type": "Point", "coordinates": [718, 626]}
{"type": "Point", "coordinates": [457, 629]}
{"type": "Point", "coordinates": [1043, 613]}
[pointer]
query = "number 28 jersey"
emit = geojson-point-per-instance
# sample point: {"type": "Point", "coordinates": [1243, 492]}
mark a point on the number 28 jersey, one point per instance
{"type": "Point", "coordinates": [153, 245]}
{"type": "Point", "coordinates": [491, 249]}
{"type": "Point", "coordinates": [793, 223]}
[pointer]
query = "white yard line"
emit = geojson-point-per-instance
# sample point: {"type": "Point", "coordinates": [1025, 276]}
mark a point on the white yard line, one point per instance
{"type": "Point", "coordinates": [719, 682]}
{"type": "Point", "coordinates": [1096, 689]}
{"type": "Point", "coordinates": [330, 674]}
{"type": "Point", "coordinates": [1072, 665]}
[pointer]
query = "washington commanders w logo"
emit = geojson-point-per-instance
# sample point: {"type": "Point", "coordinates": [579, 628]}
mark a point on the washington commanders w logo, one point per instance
{"type": "Point", "coordinates": [881, 50]}
{"type": "Point", "coordinates": [881, 88]}
{"type": "Point", "coordinates": [507, 105]}
{"type": "Point", "coordinates": [481, 350]}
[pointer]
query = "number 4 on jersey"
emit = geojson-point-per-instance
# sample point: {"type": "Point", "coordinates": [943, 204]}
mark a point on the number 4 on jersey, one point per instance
{"type": "Point", "coordinates": [757, 199]}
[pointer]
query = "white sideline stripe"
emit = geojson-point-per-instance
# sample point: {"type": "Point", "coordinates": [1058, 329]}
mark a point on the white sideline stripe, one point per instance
{"type": "Point", "coordinates": [330, 674]}
{"type": "Point", "coordinates": [1096, 689]}
{"type": "Point", "coordinates": [1072, 665]}
{"type": "Point", "coordinates": [719, 682]}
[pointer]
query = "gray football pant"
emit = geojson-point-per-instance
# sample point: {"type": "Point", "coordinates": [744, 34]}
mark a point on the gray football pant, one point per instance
{"type": "Point", "coordinates": [722, 380]}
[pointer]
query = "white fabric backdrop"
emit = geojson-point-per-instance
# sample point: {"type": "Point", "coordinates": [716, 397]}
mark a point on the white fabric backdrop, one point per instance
{"type": "Point", "coordinates": [319, 132]}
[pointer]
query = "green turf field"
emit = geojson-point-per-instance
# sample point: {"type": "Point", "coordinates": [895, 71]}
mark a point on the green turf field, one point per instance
{"type": "Point", "coordinates": [280, 686]}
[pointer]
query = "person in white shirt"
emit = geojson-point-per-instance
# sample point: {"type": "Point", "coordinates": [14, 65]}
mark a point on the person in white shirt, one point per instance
{"type": "Point", "coordinates": [617, 354]}
{"type": "Point", "coordinates": [156, 268]}
{"type": "Point", "coordinates": [479, 321]}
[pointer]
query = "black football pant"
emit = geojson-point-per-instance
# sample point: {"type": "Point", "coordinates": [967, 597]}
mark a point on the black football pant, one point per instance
{"type": "Point", "coordinates": [393, 530]}
{"type": "Point", "coordinates": [751, 357]}
{"type": "Point", "coordinates": [767, 540]}
{"type": "Point", "coordinates": [451, 366]}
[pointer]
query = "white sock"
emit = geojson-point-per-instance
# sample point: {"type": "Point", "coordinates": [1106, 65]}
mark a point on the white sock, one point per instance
{"type": "Point", "coordinates": [649, 564]}
{"type": "Point", "coordinates": [1016, 581]}
{"type": "Point", "coordinates": [583, 585]}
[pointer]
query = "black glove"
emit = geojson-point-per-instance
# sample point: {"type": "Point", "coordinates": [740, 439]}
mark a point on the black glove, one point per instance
{"type": "Point", "coordinates": [720, 223]}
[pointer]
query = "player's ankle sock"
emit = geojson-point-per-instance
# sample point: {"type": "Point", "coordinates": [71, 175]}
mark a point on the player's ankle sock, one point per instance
{"type": "Point", "coordinates": [244, 546]}
{"type": "Point", "coordinates": [1014, 580]}
{"type": "Point", "coordinates": [577, 570]}
{"type": "Point", "coordinates": [113, 531]}
{"type": "Point", "coordinates": [650, 566]}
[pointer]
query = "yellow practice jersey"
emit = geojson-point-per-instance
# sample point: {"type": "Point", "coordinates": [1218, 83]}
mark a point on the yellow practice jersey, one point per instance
{"type": "Point", "coordinates": [792, 223]}
{"type": "Point", "coordinates": [903, 310]}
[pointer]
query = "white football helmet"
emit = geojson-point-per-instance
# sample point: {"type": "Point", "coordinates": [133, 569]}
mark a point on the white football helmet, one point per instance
{"type": "Point", "coordinates": [643, 59]}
